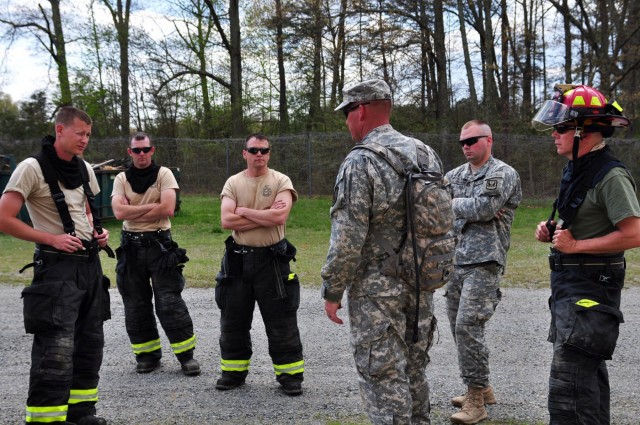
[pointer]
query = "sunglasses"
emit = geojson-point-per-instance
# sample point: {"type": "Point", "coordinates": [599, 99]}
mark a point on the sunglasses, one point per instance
{"type": "Point", "coordinates": [352, 107]}
{"type": "Point", "coordinates": [470, 141]}
{"type": "Point", "coordinates": [254, 151]}
{"type": "Point", "coordinates": [138, 151]}
{"type": "Point", "coordinates": [561, 129]}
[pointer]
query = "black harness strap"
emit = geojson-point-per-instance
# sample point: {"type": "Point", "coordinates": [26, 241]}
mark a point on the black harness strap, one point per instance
{"type": "Point", "coordinates": [576, 183]}
{"type": "Point", "coordinates": [51, 178]}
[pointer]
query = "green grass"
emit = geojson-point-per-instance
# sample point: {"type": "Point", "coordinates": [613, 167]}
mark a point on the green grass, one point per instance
{"type": "Point", "coordinates": [197, 228]}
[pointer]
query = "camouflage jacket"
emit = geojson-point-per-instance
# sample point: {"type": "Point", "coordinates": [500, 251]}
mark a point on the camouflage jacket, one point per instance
{"type": "Point", "coordinates": [368, 201]}
{"type": "Point", "coordinates": [477, 198]}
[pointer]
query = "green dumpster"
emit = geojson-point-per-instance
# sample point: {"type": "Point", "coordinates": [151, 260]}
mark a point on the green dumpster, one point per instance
{"type": "Point", "coordinates": [105, 181]}
{"type": "Point", "coordinates": [7, 165]}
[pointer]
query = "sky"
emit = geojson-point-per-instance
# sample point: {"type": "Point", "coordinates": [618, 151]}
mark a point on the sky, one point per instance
{"type": "Point", "coordinates": [24, 65]}
{"type": "Point", "coordinates": [23, 71]}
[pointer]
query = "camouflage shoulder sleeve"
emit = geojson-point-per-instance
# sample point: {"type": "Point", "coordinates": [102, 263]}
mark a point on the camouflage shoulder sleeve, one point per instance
{"type": "Point", "coordinates": [349, 226]}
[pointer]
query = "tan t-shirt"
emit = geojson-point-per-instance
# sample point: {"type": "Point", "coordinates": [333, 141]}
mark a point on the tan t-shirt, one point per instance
{"type": "Point", "coordinates": [258, 193]}
{"type": "Point", "coordinates": [166, 180]}
{"type": "Point", "coordinates": [27, 179]}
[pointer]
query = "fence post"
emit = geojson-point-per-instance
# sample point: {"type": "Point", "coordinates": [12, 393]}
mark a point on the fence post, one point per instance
{"type": "Point", "coordinates": [309, 152]}
{"type": "Point", "coordinates": [227, 153]}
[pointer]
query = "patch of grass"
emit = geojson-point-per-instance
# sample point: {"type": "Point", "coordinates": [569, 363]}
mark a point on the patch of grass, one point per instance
{"type": "Point", "coordinates": [197, 228]}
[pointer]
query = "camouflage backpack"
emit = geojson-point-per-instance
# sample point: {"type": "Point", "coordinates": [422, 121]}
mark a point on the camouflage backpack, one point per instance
{"type": "Point", "coordinates": [425, 257]}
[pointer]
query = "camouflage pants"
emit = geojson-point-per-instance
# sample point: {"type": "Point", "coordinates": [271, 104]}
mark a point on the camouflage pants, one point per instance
{"type": "Point", "coordinates": [472, 297]}
{"type": "Point", "coordinates": [391, 367]}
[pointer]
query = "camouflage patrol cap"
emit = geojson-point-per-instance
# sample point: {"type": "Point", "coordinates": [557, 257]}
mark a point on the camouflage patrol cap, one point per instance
{"type": "Point", "coordinates": [365, 91]}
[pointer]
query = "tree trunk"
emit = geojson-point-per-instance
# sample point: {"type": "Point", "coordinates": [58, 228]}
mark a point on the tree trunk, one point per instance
{"type": "Point", "coordinates": [60, 54]}
{"type": "Point", "coordinates": [442, 95]}
{"type": "Point", "coordinates": [283, 107]}
{"type": "Point", "coordinates": [236, 68]}
{"type": "Point", "coordinates": [567, 45]}
{"type": "Point", "coordinates": [504, 81]}
{"type": "Point", "coordinates": [473, 96]}
{"type": "Point", "coordinates": [120, 16]}
{"type": "Point", "coordinates": [314, 101]}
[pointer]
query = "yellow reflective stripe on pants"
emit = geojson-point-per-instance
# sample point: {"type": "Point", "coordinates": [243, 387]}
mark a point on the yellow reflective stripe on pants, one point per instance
{"type": "Point", "coordinates": [79, 396]}
{"type": "Point", "coordinates": [234, 365]}
{"type": "Point", "coordinates": [181, 347]}
{"type": "Point", "coordinates": [46, 414]}
{"type": "Point", "coordinates": [290, 368]}
{"type": "Point", "coordinates": [146, 347]}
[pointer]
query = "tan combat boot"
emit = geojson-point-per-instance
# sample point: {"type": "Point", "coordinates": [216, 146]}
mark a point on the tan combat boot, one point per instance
{"type": "Point", "coordinates": [487, 393]}
{"type": "Point", "coordinates": [473, 410]}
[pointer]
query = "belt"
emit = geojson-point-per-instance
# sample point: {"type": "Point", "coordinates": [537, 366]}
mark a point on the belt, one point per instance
{"type": "Point", "coordinates": [142, 237]}
{"type": "Point", "coordinates": [557, 263]}
{"type": "Point", "coordinates": [90, 250]}
{"type": "Point", "coordinates": [256, 250]}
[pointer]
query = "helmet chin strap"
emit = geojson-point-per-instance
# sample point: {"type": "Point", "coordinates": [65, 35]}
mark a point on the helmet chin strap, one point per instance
{"type": "Point", "coordinates": [577, 136]}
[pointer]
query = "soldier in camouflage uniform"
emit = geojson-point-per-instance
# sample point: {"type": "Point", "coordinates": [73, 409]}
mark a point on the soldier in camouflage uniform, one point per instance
{"type": "Point", "coordinates": [369, 206]}
{"type": "Point", "coordinates": [486, 193]}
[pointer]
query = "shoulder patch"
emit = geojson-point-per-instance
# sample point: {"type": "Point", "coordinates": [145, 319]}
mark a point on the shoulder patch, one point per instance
{"type": "Point", "coordinates": [491, 184]}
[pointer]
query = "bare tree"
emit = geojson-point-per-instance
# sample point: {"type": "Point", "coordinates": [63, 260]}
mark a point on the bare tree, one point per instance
{"type": "Point", "coordinates": [473, 97]}
{"type": "Point", "coordinates": [46, 26]}
{"type": "Point", "coordinates": [120, 15]}
{"type": "Point", "coordinates": [283, 106]}
{"type": "Point", "coordinates": [607, 27]}
{"type": "Point", "coordinates": [232, 45]}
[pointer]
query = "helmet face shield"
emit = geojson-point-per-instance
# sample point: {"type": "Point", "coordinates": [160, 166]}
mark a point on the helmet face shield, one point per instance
{"type": "Point", "coordinates": [551, 113]}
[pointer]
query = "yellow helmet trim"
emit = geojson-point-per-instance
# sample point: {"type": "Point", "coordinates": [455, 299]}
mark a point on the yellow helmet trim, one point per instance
{"type": "Point", "coordinates": [617, 106]}
{"type": "Point", "coordinates": [578, 101]}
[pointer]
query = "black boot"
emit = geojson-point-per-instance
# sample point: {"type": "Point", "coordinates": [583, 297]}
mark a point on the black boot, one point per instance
{"type": "Point", "coordinates": [90, 420]}
{"type": "Point", "coordinates": [230, 380]}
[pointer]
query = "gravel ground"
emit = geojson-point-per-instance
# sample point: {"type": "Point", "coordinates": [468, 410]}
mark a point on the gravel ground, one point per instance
{"type": "Point", "coordinates": [520, 358]}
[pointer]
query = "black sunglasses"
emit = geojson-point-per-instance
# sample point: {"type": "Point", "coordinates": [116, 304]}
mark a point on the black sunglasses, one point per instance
{"type": "Point", "coordinates": [254, 151]}
{"type": "Point", "coordinates": [561, 129]}
{"type": "Point", "coordinates": [138, 151]}
{"type": "Point", "coordinates": [352, 107]}
{"type": "Point", "coordinates": [470, 141]}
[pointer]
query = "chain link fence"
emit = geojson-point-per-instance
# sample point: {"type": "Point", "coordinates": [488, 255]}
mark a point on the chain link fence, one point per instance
{"type": "Point", "coordinates": [312, 160]}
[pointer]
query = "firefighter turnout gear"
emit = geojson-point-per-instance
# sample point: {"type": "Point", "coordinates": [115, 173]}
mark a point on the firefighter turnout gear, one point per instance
{"type": "Point", "coordinates": [155, 257]}
{"type": "Point", "coordinates": [64, 308]}
{"type": "Point", "coordinates": [261, 275]}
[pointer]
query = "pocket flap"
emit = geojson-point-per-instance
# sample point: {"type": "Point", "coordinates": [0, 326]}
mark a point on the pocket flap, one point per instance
{"type": "Point", "coordinates": [50, 289]}
{"type": "Point", "coordinates": [588, 305]}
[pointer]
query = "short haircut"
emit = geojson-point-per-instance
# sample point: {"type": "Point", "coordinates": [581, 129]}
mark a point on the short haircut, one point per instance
{"type": "Point", "coordinates": [475, 122]}
{"type": "Point", "coordinates": [257, 136]}
{"type": "Point", "coordinates": [67, 114]}
{"type": "Point", "coordinates": [140, 135]}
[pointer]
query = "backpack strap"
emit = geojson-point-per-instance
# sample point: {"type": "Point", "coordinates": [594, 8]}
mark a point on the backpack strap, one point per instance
{"type": "Point", "coordinates": [395, 163]}
{"type": "Point", "coordinates": [385, 154]}
{"type": "Point", "coordinates": [409, 176]}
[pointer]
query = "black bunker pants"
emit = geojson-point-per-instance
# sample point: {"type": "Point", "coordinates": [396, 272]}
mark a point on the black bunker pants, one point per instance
{"type": "Point", "coordinates": [155, 257]}
{"type": "Point", "coordinates": [64, 308]}
{"type": "Point", "coordinates": [261, 275]}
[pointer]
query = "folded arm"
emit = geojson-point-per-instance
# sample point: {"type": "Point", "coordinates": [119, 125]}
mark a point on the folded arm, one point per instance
{"type": "Point", "coordinates": [123, 210]}
{"type": "Point", "coordinates": [243, 218]}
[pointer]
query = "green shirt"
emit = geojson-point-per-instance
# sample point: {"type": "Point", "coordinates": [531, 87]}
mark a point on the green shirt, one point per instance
{"type": "Point", "coordinates": [612, 200]}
